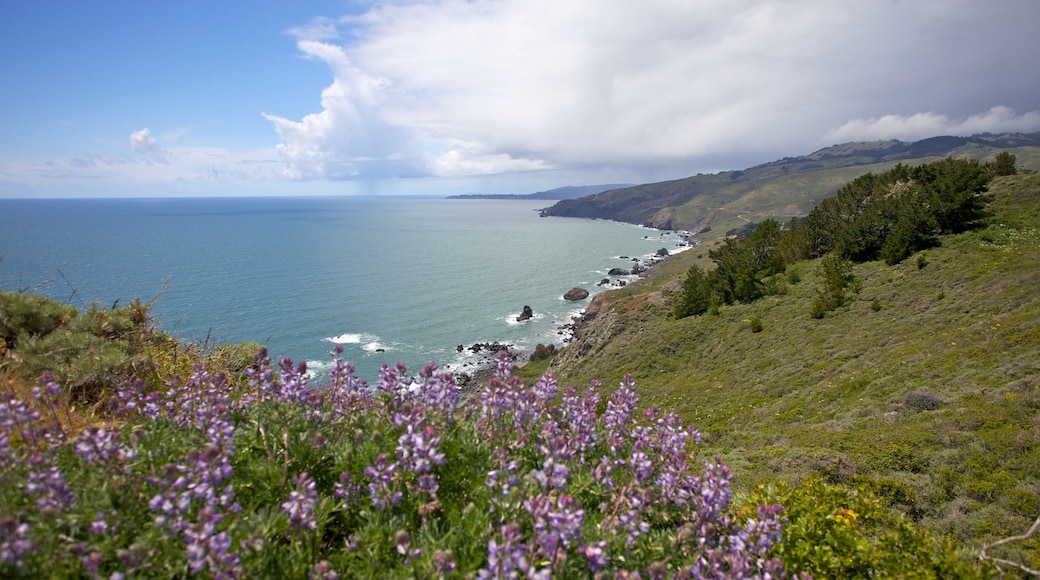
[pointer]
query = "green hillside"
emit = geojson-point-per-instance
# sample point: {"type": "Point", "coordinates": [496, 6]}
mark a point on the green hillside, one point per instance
{"type": "Point", "coordinates": [780, 189]}
{"type": "Point", "coordinates": [925, 387]}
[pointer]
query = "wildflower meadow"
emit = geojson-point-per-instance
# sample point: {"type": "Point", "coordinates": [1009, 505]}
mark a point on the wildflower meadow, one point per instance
{"type": "Point", "coordinates": [268, 475]}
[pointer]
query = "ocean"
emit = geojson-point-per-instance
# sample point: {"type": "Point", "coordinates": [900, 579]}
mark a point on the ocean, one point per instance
{"type": "Point", "coordinates": [391, 279]}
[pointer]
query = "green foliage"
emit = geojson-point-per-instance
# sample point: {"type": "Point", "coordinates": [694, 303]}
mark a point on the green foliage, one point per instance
{"type": "Point", "coordinates": [91, 350]}
{"type": "Point", "coordinates": [741, 266]}
{"type": "Point", "coordinates": [1004, 164]}
{"type": "Point", "coordinates": [892, 215]}
{"type": "Point", "coordinates": [755, 324]}
{"type": "Point", "coordinates": [839, 531]}
{"type": "Point", "coordinates": [696, 295]}
{"type": "Point", "coordinates": [27, 315]}
{"type": "Point", "coordinates": [836, 273]}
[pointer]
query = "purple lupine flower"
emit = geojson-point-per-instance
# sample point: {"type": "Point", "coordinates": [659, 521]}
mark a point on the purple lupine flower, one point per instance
{"type": "Point", "coordinates": [14, 542]}
{"type": "Point", "coordinates": [209, 549]}
{"type": "Point", "coordinates": [99, 526]}
{"type": "Point", "coordinates": [620, 407]}
{"type": "Point", "coordinates": [382, 474]}
{"type": "Point", "coordinates": [346, 490]}
{"type": "Point", "coordinates": [50, 486]}
{"type": "Point", "coordinates": [556, 523]}
{"type": "Point", "coordinates": [302, 502]}
{"type": "Point", "coordinates": [579, 415]}
{"type": "Point", "coordinates": [443, 562]}
{"type": "Point", "coordinates": [262, 379]}
{"type": "Point", "coordinates": [508, 559]}
{"type": "Point", "coordinates": [596, 553]}
{"type": "Point", "coordinates": [553, 474]}
{"type": "Point", "coordinates": [99, 445]}
{"type": "Point", "coordinates": [17, 421]}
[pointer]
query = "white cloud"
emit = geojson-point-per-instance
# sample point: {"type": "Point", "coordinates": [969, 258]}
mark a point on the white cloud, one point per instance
{"type": "Point", "coordinates": [998, 119]}
{"type": "Point", "coordinates": [348, 133]}
{"type": "Point", "coordinates": [143, 142]}
{"type": "Point", "coordinates": [454, 87]}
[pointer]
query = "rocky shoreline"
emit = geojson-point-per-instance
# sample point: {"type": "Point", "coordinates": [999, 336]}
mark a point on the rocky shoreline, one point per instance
{"type": "Point", "coordinates": [474, 374]}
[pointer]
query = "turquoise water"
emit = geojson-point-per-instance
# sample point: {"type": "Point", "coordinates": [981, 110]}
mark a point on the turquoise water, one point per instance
{"type": "Point", "coordinates": [391, 279]}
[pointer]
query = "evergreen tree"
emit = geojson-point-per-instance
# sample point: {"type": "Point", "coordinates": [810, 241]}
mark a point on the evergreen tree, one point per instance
{"type": "Point", "coordinates": [1004, 164]}
{"type": "Point", "coordinates": [696, 295]}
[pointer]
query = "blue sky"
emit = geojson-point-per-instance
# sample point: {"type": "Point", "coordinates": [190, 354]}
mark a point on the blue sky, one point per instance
{"type": "Point", "coordinates": [507, 96]}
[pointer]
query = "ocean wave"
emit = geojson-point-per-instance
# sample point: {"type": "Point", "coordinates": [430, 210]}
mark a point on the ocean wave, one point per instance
{"type": "Point", "coordinates": [374, 346]}
{"type": "Point", "coordinates": [368, 342]}
{"type": "Point", "coordinates": [344, 339]}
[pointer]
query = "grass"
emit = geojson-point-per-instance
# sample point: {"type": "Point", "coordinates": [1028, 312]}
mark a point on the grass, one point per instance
{"type": "Point", "coordinates": [830, 396]}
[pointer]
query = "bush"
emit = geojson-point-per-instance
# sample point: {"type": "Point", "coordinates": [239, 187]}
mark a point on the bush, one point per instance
{"type": "Point", "coordinates": [921, 400]}
{"type": "Point", "coordinates": [839, 531]}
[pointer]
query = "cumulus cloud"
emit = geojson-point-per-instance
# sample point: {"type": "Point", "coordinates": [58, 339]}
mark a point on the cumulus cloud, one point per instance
{"type": "Point", "coordinates": [453, 87]}
{"type": "Point", "coordinates": [142, 141]}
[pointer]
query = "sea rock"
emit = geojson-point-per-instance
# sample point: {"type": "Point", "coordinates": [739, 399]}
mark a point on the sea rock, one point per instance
{"type": "Point", "coordinates": [604, 282]}
{"type": "Point", "coordinates": [527, 314]}
{"type": "Point", "coordinates": [576, 293]}
{"type": "Point", "coordinates": [618, 272]}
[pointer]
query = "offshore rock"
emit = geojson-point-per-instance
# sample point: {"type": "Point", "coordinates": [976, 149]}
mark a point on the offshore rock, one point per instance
{"type": "Point", "coordinates": [527, 314]}
{"type": "Point", "coordinates": [576, 294]}
{"type": "Point", "coordinates": [618, 272]}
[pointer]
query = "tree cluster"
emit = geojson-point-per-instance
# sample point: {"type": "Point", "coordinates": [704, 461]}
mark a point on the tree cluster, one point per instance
{"type": "Point", "coordinates": [888, 216]}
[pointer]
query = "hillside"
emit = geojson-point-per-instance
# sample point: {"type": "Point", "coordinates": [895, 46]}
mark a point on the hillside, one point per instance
{"type": "Point", "coordinates": [925, 388]}
{"type": "Point", "coordinates": [781, 189]}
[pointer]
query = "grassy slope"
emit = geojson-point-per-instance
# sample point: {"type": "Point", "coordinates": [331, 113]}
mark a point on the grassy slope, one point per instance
{"type": "Point", "coordinates": [830, 396]}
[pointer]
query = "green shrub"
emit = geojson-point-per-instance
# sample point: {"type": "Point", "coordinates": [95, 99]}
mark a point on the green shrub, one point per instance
{"type": "Point", "coordinates": [755, 324]}
{"type": "Point", "coordinates": [839, 531]}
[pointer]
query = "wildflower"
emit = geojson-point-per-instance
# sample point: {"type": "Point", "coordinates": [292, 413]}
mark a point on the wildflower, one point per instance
{"type": "Point", "coordinates": [97, 444]}
{"type": "Point", "coordinates": [302, 502]}
{"type": "Point", "coordinates": [382, 473]}
{"type": "Point", "coordinates": [14, 542]}
{"type": "Point", "coordinates": [596, 553]}
{"type": "Point", "coordinates": [99, 526]}
{"type": "Point", "coordinates": [443, 562]}
{"type": "Point", "coordinates": [346, 490]}
{"type": "Point", "coordinates": [50, 485]}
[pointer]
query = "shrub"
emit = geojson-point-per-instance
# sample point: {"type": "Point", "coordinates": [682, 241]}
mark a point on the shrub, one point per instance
{"type": "Point", "coordinates": [921, 400]}
{"type": "Point", "coordinates": [839, 531]}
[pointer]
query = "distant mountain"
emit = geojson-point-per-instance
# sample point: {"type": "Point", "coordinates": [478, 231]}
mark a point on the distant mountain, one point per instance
{"type": "Point", "coordinates": [781, 189]}
{"type": "Point", "coordinates": [568, 192]}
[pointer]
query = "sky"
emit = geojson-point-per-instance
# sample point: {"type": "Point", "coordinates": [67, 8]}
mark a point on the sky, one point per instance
{"type": "Point", "coordinates": [435, 97]}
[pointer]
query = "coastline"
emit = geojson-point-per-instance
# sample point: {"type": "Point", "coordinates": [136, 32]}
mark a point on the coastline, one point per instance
{"type": "Point", "coordinates": [482, 371]}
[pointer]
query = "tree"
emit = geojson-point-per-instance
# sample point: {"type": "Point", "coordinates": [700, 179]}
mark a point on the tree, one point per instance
{"type": "Point", "coordinates": [696, 295]}
{"type": "Point", "coordinates": [1004, 164]}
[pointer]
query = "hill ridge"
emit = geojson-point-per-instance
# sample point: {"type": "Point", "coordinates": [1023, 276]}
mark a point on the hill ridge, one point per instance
{"type": "Point", "coordinates": [783, 188]}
